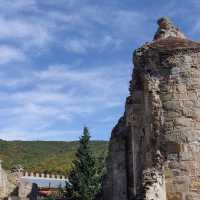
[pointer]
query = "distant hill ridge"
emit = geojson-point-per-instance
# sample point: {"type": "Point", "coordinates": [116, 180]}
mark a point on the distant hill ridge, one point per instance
{"type": "Point", "coordinates": [45, 156]}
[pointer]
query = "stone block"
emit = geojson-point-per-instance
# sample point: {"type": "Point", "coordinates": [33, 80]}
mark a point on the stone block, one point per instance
{"type": "Point", "coordinates": [183, 121]}
{"type": "Point", "coordinates": [192, 196]}
{"type": "Point", "coordinates": [172, 105]}
{"type": "Point", "coordinates": [186, 156]}
{"type": "Point", "coordinates": [174, 196]}
{"type": "Point", "coordinates": [195, 186]}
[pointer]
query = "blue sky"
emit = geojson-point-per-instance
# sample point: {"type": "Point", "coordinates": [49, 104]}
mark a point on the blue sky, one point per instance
{"type": "Point", "coordinates": [67, 63]}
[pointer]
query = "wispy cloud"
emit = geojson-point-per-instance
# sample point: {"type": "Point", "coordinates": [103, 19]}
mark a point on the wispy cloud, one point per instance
{"type": "Point", "coordinates": [9, 134]}
{"type": "Point", "coordinates": [11, 54]}
{"type": "Point", "coordinates": [67, 63]}
{"type": "Point", "coordinates": [40, 28]}
{"type": "Point", "coordinates": [61, 94]}
{"type": "Point", "coordinates": [23, 32]}
{"type": "Point", "coordinates": [81, 46]}
{"type": "Point", "coordinates": [17, 5]}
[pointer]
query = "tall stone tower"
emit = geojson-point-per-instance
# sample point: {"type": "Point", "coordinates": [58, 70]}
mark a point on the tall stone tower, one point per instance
{"type": "Point", "coordinates": [154, 151]}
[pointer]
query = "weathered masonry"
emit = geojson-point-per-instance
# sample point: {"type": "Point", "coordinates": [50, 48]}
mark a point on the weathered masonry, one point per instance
{"type": "Point", "coordinates": [154, 151]}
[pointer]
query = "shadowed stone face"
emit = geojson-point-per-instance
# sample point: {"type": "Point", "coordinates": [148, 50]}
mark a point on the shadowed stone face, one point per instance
{"type": "Point", "coordinates": [154, 152]}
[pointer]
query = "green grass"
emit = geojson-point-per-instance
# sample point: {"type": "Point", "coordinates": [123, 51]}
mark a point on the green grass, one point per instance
{"type": "Point", "coordinates": [44, 156]}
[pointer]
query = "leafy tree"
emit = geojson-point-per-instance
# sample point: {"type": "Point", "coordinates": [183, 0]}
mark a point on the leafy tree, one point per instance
{"type": "Point", "coordinates": [84, 178]}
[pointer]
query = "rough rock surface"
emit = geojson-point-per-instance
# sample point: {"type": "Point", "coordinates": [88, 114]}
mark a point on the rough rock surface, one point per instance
{"type": "Point", "coordinates": [3, 183]}
{"type": "Point", "coordinates": [8, 183]}
{"type": "Point", "coordinates": [154, 151]}
{"type": "Point", "coordinates": [28, 191]}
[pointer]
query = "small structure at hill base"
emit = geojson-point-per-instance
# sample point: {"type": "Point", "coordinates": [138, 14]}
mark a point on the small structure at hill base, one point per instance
{"type": "Point", "coordinates": [154, 151]}
{"type": "Point", "coordinates": [21, 185]}
{"type": "Point", "coordinates": [31, 185]}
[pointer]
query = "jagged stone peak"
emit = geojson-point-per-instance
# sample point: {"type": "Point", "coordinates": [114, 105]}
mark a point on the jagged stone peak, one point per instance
{"type": "Point", "coordinates": [167, 29]}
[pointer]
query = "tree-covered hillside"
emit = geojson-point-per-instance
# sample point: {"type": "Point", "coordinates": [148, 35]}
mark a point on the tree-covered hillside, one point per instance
{"type": "Point", "coordinates": [44, 156]}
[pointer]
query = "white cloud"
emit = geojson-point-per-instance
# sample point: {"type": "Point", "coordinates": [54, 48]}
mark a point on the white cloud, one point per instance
{"type": "Point", "coordinates": [38, 109]}
{"type": "Point", "coordinates": [17, 4]}
{"type": "Point", "coordinates": [24, 32]}
{"type": "Point", "coordinates": [40, 28]}
{"type": "Point", "coordinates": [83, 45]}
{"type": "Point", "coordinates": [21, 24]}
{"type": "Point", "coordinates": [40, 99]}
{"type": "Point", "coordinates": [9, 134]}
{"type": "Point", "coordinates": [11, 54]}
{"type": "Point", "coordinates": [76, 46]}
{"type": "Point", "coordinates": [117, 25]}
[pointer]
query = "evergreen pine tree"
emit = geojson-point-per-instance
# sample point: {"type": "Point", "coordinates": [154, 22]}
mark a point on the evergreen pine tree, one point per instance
{"type": "Point", "coordinates": [84, 179]}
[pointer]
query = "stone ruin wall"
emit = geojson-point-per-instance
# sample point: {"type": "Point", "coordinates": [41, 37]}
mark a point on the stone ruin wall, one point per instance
{"type": "Point", "coordinates": [165, 125]}
{"type": "Point", "coordinates": [154, 151]}
{"type": "Point", "coordinates": [3, 183]}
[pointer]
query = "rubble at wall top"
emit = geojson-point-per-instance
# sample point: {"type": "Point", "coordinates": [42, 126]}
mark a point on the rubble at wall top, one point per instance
{"type": "Point", "coordinates": [169, 37]}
